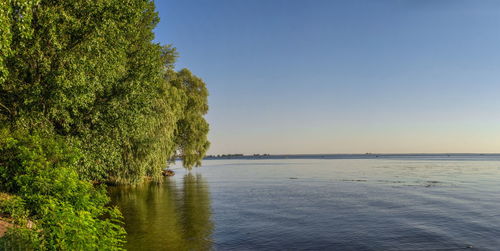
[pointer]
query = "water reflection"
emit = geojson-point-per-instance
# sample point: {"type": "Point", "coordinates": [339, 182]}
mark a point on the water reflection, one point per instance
{"type": "Point", "coordinates": [168, 216]}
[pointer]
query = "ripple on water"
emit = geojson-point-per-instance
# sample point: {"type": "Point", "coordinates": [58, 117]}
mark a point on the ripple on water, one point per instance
{"type": "Point", "coordinates": [332, 204]}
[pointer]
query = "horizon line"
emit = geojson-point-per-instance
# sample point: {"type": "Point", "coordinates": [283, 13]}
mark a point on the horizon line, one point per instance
{"type": "Point", "coordinates": [368, 153]}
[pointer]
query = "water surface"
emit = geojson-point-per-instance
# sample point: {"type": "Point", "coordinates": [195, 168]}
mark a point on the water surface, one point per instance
{"type": "Point", "coordinates": [413, 203]}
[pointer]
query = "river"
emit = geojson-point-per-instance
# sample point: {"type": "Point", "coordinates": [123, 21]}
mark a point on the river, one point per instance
{"type": "Point", "coordinates": [316, 203]}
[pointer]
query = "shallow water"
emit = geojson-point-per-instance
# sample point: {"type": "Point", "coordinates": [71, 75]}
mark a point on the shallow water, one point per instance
{"type": "Point", "coordinates": [312, 204]}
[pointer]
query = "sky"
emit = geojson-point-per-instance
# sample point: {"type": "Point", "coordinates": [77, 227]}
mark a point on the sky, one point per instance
{"type": "Point", "coordinates": [343, 76]}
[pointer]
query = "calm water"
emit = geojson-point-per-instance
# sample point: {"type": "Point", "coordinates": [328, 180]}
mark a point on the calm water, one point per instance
{"type": "Point", "coordinates": [413, 203]}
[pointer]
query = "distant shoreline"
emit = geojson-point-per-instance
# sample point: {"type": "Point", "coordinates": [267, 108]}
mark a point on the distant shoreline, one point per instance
{"type": "Point", "coordinates": [357, 156]}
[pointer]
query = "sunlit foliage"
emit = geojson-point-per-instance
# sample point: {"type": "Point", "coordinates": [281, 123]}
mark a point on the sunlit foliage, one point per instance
{"type": "Point", "coordinates": [87, 97]}
{"type": "Point", "coordinates": [89, 71]}
{"type": "Point", "coordinates": [52, 208]}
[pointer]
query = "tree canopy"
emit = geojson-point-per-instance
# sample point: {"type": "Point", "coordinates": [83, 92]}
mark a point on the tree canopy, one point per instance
{"type": "Point", "coordinates": [89, 71]}
{"type": "Point", "coordinates": [87, 75]}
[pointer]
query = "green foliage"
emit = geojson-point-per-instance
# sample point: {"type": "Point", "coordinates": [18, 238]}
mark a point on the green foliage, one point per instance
{"type": "Point", "coordinates": [192, 128]}
{"type": "Point", "coordinates": [86, 97]}
{"type": "Point", "coordinates": [23, 236]}
{"type": "Point", "coordinates": [64, 212]}
{"type": "Point", "coordinates": [89, 71]}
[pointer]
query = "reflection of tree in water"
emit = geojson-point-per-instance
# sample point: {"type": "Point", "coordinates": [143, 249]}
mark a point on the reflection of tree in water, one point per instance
{"type": "Point", "coordinates": [196, 208]}
{"type": "Point", "coordinates": [165, 216]}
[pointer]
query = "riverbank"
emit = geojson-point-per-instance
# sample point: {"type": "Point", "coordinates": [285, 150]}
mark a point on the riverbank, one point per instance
{"type": "Point", "coordinates": [4, 226]}
{"type": "Point", "coordinates": [4, 223]}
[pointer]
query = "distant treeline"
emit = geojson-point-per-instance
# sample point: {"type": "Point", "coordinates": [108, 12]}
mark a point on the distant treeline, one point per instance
{"type": "Point", "coordinates": [422, 156]}
{"type": "Point", "coordinates": [234, 155]}
{"type": "Point", "coordinates": [87, 97]}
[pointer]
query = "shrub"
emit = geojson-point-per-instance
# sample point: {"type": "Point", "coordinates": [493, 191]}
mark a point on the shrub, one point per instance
{"type": "Point", "coordinates": [64, 212]}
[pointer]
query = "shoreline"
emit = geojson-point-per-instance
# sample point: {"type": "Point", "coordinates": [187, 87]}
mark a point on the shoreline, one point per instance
{"type": "Point", "coordinates": [354, 156]}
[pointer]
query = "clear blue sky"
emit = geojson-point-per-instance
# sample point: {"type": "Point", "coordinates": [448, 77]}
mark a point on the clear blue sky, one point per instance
{"type": "Point", "coordinates": [326, 76]}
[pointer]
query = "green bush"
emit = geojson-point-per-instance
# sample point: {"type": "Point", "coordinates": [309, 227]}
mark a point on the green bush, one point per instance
{"type": "Point", "coordinates": [87, 96]}
{"type": "Point", "coordinates": [64, 212]}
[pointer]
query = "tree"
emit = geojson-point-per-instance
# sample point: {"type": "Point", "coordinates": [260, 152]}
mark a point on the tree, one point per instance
{"type": "Point", "coordinates": [88, 76]}
{"type": "Point", "coordinates": [192, 128]}
{"type": "Point", "coordinates": [89, 71]}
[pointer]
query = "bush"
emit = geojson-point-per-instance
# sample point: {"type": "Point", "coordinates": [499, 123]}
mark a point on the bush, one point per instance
{"type": "Point", "coordinates": [64, 212]}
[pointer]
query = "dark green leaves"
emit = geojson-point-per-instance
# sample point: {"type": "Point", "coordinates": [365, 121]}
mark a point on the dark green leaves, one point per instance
{"type": "Point", "coordinates": [87, 97]}
{"type": "Point", "coordinates": [89, 71]}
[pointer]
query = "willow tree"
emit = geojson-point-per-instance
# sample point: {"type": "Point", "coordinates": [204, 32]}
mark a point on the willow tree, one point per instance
{"type": "Point", "coordinates": [192, 128]}
{"type": "Point", "coordinates": [84, 97]}
{"type": "Point", "coordinates": [89, 71]}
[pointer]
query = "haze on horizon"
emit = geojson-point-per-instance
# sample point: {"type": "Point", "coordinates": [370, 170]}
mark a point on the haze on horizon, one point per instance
{"type": "Point", "coordinates": [296, 76]}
